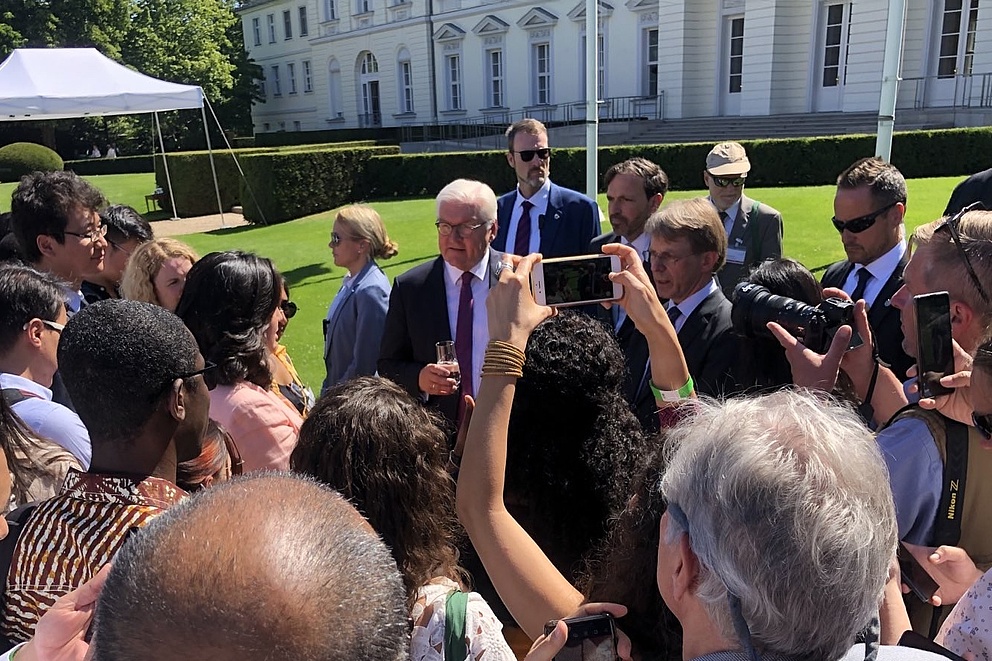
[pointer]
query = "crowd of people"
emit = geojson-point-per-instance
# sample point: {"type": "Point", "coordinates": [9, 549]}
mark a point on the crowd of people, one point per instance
{"type": "Point", "coordinates": [724, 460]}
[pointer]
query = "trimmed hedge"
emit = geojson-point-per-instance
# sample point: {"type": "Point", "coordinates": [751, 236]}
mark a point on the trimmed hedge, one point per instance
{"type": "Point", "coordinates": [120, 165]}
{"type": "Point", "coordinates": [290, 184]}
{"type": "Point", "coordinates": [779, 162]}
{"type": "Point", "coordinates": [21, 158]}
{"type": "Point", "coordinates": [193, 184]}
{"type": "Point", "coordinates": [383, 134]}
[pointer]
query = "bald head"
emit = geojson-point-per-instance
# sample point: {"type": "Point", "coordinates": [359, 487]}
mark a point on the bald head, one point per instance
{"type": "Point", "coordinates": [272, 567]}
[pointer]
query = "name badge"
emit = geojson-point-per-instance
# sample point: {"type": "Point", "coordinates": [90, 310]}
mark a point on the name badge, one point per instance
{"type": "Point", "coordinates": [736, 255]}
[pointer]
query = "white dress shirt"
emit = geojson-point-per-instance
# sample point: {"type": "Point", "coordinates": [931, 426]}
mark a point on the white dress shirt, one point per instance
{"type": "Point", "coordinates": [881, 270]}
{"type": "Point", "coordinates": [540, 208]}
{"type": "Point", "coordinates": [689, 305]}
{"type": "Point", "coordinates": [480, 320]}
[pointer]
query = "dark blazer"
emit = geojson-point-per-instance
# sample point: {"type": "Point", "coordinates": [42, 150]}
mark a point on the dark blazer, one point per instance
{"type": "Point", "coordinates": [570, 223]}
{"type": "Point", "coordinates": [976, 188]}
{"type": "Point", "coordinates": [711, 347]}
{"type": "Point", "coordinates": [416, 321]}
{"type": "Point", "coordinates": [352, 336]}
{"type": "Point", "coordinates": [758, 231]}
{"type": "Point", "coordinates": [883, 318]}
{"type": "Point", "coordinates": [637, 390]}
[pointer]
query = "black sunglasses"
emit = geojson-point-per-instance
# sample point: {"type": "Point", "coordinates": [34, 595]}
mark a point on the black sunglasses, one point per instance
{"type": "Point", "coordinates": [858, 225]}
{"type": "Point", "coordinates": [983, 423]}
{"type": "Point", "coordinates": [289, 308]}
{"type": "Point", "coordinates": [723, 182]}
{"type": "Point", "coordinates": [206, 368]}
{"type": "Point", "coordinates": [951, 225]}
{"type": "Point", "coordinates": [528, 155]}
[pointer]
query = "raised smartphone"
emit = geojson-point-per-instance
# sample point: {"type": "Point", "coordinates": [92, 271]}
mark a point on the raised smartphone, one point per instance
{"type": "Point", "coordinates": [935, 352]}
{"type": "Point", "coordinates": [914, 575]}
{"type": "Point", "coordinates": [581, 280]}
{"type": "Point", "coordinates": [590, 638]}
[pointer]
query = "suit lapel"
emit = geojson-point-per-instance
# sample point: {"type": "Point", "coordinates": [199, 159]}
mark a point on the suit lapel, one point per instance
{"type": "Point", "coordinates": [550, 223]}
{"type": "Point", "coordinates": [739, 229]}
{"type": "Point", "coordinates": [504, 208]}
{"type": "Point", "coordinates": [434, 307]}
{"type": "Point", "coordinates": [835, 277]}
{"type": "Point", "coordinates": [881, 307]}
{"type": "Point", "coordinates": [346, 294]}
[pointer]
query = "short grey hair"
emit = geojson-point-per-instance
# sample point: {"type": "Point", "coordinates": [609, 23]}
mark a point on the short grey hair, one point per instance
{"type": "Point", "coordinates": [788, 506]}
{"type": "Point", "coordinates": [474, 193]}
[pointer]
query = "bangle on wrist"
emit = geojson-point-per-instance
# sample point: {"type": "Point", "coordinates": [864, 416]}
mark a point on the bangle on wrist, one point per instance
{"type": "Point", "coordinates": [503, 359]}
{"type": "Point", "coordinates": [674, 395]}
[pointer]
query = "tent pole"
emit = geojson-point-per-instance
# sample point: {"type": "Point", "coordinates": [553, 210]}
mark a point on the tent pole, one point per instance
{"type": "Point", "coordinates": [213, 169]}
{"type": "Point", "coordinates": [237, 163]}
{"type": "Point", "coordinates": [165, 164]}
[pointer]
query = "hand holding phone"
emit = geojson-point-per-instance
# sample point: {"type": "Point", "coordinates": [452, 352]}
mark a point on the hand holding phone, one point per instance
{"type": "Point", "coordinates": [590, 638]}
{"type": "Point", "coordinates": [914, 575]}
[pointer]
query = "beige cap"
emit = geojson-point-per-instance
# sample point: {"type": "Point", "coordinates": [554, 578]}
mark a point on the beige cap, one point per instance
{"type": "Point", "coordinates": [726, 159]}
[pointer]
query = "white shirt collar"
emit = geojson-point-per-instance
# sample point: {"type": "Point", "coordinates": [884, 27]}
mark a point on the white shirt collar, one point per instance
{"type": "Point", "coordinates": [480, 270]}
{"type": "Point", "coordinates": [8, 380]}
{"type": "Point", "coordinates": [642, 244]}
{"type": "Point", "coordinates": [689, 305]}
{"type": "Point", "coordinates": [538, 199]}
{"type": "Point", "coordinates": [73, 300]}
{"type": "Point", "coordinates": [883, 267]}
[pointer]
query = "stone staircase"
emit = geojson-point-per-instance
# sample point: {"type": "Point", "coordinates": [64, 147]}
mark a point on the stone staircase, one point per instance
{"type": "Point", "coordinates": [714, 129]}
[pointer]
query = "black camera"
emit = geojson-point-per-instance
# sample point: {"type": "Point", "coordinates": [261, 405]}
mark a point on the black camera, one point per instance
{"type": "Point", "coordinates": [813, 325]}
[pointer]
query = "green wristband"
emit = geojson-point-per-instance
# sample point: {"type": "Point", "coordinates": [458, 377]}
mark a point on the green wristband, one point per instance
{"type": "Point", "coordinates": [674, 395]}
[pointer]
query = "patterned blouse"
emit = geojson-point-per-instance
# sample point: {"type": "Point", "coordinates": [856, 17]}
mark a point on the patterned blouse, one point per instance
{"type": "Point", "coordinates": [69, 538]}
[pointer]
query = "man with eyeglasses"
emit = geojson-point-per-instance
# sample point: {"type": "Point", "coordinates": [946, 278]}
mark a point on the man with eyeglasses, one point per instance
{"type": "Point", "coordinates": [540, 216]}
{"type": "Point", "coordinates": [754, 230]}
{"type": "Point", "coordinates": [34, 315]}
{"type": "Point", "coordinates": [55, 218]}
{"type": "Point", "coordinates": [126, 230]}
{"type": "Point", "coordinates": [869, 207]}
{"type": "Point", "coordinates": [445, 299]}
{"type": "Point", "coordinates": [136, 376]}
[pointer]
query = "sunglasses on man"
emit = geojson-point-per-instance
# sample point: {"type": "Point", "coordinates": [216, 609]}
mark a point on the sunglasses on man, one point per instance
{"type": "Point", "coordinates": [860, 224]}
{"type": "Point", "coordinates": [528, 155]}
{"type": "Point", "coordinates": [951, 225]}
{"type": "Point", "coordinates": [723, 182]}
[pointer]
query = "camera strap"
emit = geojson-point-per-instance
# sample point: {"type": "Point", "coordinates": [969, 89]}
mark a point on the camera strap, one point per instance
{"type": "Point", "coordinates": [947, 527]}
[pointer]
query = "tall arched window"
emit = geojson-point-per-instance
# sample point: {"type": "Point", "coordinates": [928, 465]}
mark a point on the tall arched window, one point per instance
{"type": "Point", "coordinates": [334, 102]}
{"type": "Point", "coordinates": [369, 109]}
{"type": "Point", "coordinates": [404, 78]}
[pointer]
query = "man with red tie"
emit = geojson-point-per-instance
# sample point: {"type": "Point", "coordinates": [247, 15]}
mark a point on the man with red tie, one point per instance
{"type": "Point", "coordinates": [540, 216]}
{"type": "Point", "coordinates": [445, 299]}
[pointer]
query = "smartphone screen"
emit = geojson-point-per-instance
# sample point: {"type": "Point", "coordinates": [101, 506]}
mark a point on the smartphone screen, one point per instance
{"type": "Point", "coordinates": [935, 353]}
{"type": "Point", "coordinates": [914, 575]}
{"type": "Point", "coordinates": [577, 280]}
{"type": "Point", "coordinates": [591, 638]}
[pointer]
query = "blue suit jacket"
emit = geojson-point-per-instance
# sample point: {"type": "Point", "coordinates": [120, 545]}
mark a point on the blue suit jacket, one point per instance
{"type": "Point", "coordinates": [352, 336]}
{"type": "Point", "coordinates": [570, 224]}
{"type": "Point", "coordinates": [417, 320]}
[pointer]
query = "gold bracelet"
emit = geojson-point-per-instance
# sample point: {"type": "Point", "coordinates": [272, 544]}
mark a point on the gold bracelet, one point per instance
{"type": "Point", "coordinates": [503, 359]}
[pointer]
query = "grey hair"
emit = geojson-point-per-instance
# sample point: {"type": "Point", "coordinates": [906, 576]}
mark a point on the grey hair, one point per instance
{"type": "Point", "coordinates": [788, 506]}
{"type": "Point", "coordinates": [474, 193]}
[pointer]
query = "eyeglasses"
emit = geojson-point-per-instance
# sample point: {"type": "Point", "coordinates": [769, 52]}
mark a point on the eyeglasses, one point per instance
{"type": "Point", "coordinates": [860, 224]}
{"type": "Point", "coordinates": [289, 308]}
{"type": "Point", "coordinates": [528, 155]}
{"type": "Point", "coordinates": [463, 230]}
{"type": "Point", "coordinates": [54, 325]}
{"type": "Point", "coordinates": [663, 258]}
{"type": "Point", "coordinates": [723, 182]}
{"type": "Point", "coordinates": [983, 423]}
{"type": "Point", "coordinates": [117, 246]}
{"type": "Point", "coordinates": [206, 368]}
{"type": "Point", "coordinates": [92, 235]}
{"type": "Point", "coordinates": [951, 225]}
{"type": "Point", "coordinates": [336, 238]}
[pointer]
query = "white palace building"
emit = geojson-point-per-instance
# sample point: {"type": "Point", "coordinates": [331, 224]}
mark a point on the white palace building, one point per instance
{"type": "Point", "coordinates": [367, 63]}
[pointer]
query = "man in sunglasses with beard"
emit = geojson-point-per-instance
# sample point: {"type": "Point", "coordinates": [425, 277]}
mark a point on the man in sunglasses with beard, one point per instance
{"type": "Point", "coordinates": [754, 230]}
{"type": "Point", "coordinates": [540, 216]}
{"type": "Point", "coordinates": [869, 208]}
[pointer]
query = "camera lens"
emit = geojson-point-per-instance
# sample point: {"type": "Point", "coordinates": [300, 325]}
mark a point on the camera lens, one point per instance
{"type": "Point", "coordinates": [754, 306]}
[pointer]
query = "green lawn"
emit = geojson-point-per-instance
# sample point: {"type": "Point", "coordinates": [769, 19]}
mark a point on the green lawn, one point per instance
{"type": "Point", "coordinates": [299, 248]}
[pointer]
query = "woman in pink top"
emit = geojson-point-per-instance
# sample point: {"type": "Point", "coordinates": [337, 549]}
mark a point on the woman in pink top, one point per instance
{"type": "Point", "coordinates": [229, 300]}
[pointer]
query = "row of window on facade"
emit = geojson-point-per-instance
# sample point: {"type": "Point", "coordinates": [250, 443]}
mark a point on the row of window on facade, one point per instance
{"type": "Point", "coordinates": [273, 82]}
{"type": "Point", "coordinates": [361, 7]}
{"type": "Point", "coordinates": [287, 26]}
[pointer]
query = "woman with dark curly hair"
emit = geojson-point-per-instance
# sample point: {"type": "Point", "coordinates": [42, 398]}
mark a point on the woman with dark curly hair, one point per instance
{"type": "Point", "coordinates": [368, 439]}
{"type": "Point", "coordinates": [573, 441]}
{"type": "Point", "coordinates": [229, 300]}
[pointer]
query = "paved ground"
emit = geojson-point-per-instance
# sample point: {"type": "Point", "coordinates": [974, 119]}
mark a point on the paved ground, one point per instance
{"type": "Point", "coordinates": [197, 224]}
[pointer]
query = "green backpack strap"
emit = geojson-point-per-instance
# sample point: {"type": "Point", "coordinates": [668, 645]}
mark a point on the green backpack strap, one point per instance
{"type": "Point", "coordinates": [455, 608]}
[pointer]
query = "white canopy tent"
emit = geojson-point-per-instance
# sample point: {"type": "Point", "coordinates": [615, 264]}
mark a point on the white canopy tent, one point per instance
{"type": "Point", "coordinates": [62, 83]}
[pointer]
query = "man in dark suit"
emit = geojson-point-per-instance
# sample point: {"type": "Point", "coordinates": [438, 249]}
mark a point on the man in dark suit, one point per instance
{"type": "Point", "coordinates": [688, 247]}
{"type": "Point", "coordinates": [976, 188]}
{"type": "Point", "coordinates": [635, 189]}
{"type": "Point", "coordinates": [445, 299]}
{"type": "Point", "coordinates": [869, 208]}
{"type": "Point", "coordinates": [540, 216]}
{"type": "Point", "coordinates": [754, 230]}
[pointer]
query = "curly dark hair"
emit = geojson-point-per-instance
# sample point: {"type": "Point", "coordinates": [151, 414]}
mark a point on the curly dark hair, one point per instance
{"type": "Point", "coordinates": [573, 440]}
{"type": "Point", "coordinates": [623, 567]}
{"type": "Point", "coordinates": [368, 439]}
{"type": "Point", "coordinates": [227, 304]}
